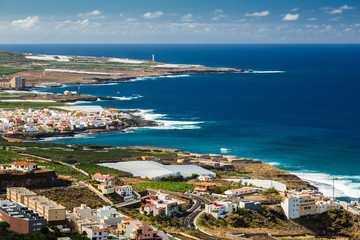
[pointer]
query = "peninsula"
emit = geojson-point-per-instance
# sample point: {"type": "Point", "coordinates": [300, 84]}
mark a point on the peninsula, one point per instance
{"type": "Point", "coordinates": [57, 69]}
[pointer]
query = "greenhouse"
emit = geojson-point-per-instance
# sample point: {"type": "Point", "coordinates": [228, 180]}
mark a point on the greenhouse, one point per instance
{"type": "Point", "coordinates": [156, 171]}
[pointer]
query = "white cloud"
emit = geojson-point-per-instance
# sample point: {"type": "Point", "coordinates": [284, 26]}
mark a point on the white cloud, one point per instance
{"type": "Point", "coordinates": [131, 20]}
{"type": "Point", "coordinates": [218, 17]}
{"type": "Point", "coordinates": [26, 23]}
{"type": "Point", "coordinates": [150, 15]}
{"type": "Point", "coordinates": [187, 18]}
{"type": "Point", "coordinates": [121, 14]}
{"type": "Point", "coordinates": [218, 11]}
{"type": "Point", "coordinates": [79, 22]}
{"type": "Point", "coordinates": [341, 9]}
{"type": "Point", "coordinates": [92, 14]}
{"type": "Point", "coordinates": [312, 26]}
{"type": "Point", "coordinates": [294, 9]}
{"type": "Point", "coordinates": [291, 17]}
{"type": "Point", "coordinates": [312, 19]}
{"type": "Point", "coordinates": [357, 25]}
{"type": "Point", "coordinates": [258, 14]}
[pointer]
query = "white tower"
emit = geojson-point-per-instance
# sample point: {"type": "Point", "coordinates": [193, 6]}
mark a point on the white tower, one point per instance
{"type": "Point", "coordinates": [153, 58]}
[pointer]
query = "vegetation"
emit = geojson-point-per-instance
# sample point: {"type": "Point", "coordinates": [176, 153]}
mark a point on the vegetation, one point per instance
{"type": "Point", "coordinates": [32, 105]}
{"type": "Point", "coordinates": [333, 223]}
{"type": "Point", "coordinates": [271, 219]}
{"type": "Point", "coordinates": [272, 196]}
{"type": "Point", "coordinates": [71, 197]}
{"type": "Point", "coordinates": [114, 197]}
{"type": "Point", "coordinates": [168, 185]}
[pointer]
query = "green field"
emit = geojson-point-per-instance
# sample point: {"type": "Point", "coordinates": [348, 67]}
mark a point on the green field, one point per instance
{"type": "Point", "coordinates": [171, 186]}
{"type": "Point", "coordinates": [12, 63]}
{"type": "Point", "coordinates": [84, 157]}
{"type": "Point", "coordinates": [27, 105]}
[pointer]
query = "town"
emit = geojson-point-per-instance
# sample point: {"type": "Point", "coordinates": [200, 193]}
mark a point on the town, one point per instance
{"type": "Point", "coordinates": [188, 203]}
{"type": "Point", "coordinates": [32, 121]}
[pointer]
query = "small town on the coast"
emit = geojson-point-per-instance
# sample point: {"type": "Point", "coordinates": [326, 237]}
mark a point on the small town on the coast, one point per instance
{"type": "Point", "coordinates": [179, 120]}
{"type": "Point", "coordinates": [70, 191]}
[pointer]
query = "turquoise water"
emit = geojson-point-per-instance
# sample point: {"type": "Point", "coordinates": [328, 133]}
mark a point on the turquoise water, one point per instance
{"type": "Point", "coordinates": [298, 111]}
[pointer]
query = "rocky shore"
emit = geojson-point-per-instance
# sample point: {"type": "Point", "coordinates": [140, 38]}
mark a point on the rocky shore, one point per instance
{"type": "Point", "coordinates": [61, 98]}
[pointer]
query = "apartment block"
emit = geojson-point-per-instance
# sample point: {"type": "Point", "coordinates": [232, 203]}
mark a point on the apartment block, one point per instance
{"type": "Point", "coordinates": [20, 218]}
{"type": "Point", "coordinates": [54, 213]}
{"type": "Point", "coordinates": [297, 204]}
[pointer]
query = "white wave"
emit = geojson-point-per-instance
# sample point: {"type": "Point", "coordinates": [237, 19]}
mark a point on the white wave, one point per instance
{"type": "Point", "coordinates": [152, 78]}
{"type": "Point", "coordinates": [78, 102]}
{"type": "Point", "coordinates": [166, 124]}
{"type": "Point", "coordinates": [274, 163]}
{"type": "Point", "coordinates": [225, 150]}
{"type": "Point", "coordinates": [77, 136]}
{"type": "Point", "coordinates": [266, 72]}
{"type": "Point", "coordinates": [129, 98]}
{"type": "Point", "coordinates": [345, 186]}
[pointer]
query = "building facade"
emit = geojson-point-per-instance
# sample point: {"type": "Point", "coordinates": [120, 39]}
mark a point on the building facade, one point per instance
{"type": "Point", "coordinates": [54, 213]}
{"type": "Point", "coordinates": [20, 218]}
{"type": "Point", "coordinates": [220, 209]}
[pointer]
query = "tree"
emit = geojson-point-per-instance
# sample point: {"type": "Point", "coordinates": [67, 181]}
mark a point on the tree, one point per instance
{"type": "Point", "coordinates": [4, 228]}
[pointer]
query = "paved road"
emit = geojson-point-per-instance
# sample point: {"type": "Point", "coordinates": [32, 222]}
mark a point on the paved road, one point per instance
{"type": "Point", "coordinates": [194, 211]}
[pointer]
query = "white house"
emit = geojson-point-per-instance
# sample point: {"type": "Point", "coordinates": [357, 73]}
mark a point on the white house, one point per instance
{"type": "Point", "coordinates": [323, 206]}
{"type": "Point", "coordinates": [102, 178]}
{"type": "Point", "coordinates": [125, 190]}
{"type": "Point", "coordinates": [205, 178]}
{"type": "Point", "coordinates": [220, 209]}
{"type": "Point", "coordinates": [241, 191]}
{"type": "Point", "coordinates": [24, 166]}
{"type": "Point", "coordinates": [96, 232]}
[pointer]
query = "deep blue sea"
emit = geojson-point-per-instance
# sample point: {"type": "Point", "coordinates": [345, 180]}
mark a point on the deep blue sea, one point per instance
{"type": "Point", "coordinates": [299, 111]}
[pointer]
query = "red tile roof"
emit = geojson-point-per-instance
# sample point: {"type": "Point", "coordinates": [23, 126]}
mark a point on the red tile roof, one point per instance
{"type": "Point", "coordinates": [23, 163]}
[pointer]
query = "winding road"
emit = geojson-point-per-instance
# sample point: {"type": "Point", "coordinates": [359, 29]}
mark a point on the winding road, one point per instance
{"type": "Point", "coordinates": [191, 214]}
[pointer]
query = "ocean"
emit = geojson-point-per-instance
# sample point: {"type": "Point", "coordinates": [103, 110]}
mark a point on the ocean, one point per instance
{"type": "Point", "coordinates": [298, 111]}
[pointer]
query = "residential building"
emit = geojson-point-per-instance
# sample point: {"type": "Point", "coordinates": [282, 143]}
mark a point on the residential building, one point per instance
{"type": "Point", "coordinates": [204, 187]}
{"type": "Point", "coordinates": [24, 166]}
{"type": "Point", "coordinates": [325, 205]}
{"type": "Point", "coordinates": [251, 205]}
{"type": "Point", "coordinates": [17, 83]}
{"type": "Point", "coordinates": [126, 226]}
{"type": "Point", "coordinates": [161, 204]}
{"type": "Point", "coordinates": [104, 215]}
{"type": "Point", "coordinates": [220, 209]}
{"type": "Point", "coordinates": [103, 178]}
{"type": "Point", "coordinates": [20, 218]}
{"type": "Point", "coordinates": [241, 191]}
{"type": "Point", "coordinates": [205, 178]}
{"type": "Point", "coordinates": [296, 206]}
{"type": "Point", "coordinates": [54, 213]}
{"type": "Point", "coordinates": [76, 222]}
{"type": "Point", "coordinates": [125, 191]}
{"type": "Point", "coordinates": [144, 231]}
{"type": "Point", "coordinates": [106, 188]}
{"type": "Point", "coordinates": [96, 232]}
{"type": "Point", "coordinates": [18, 194]}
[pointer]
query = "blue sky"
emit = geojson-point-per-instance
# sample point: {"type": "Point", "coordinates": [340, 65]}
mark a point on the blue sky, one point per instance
{"type": "Point", "coordinates": [185, 21]}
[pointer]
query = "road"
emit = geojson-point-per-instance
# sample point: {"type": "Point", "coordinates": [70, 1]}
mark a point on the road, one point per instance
{"type": "Point", "coordinates": [189, 217]}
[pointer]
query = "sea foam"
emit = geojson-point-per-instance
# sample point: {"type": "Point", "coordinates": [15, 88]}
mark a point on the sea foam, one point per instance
{"type": "Point", "coordinates": [167, 124]}
{"type": "Point", "coordinates": [153, 78]}
{"type": "Point", "coordinates": [345, 186]}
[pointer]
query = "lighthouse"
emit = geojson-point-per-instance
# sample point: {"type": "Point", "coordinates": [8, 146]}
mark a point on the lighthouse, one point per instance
{"type": "Point", "coordinates": [153, 58]}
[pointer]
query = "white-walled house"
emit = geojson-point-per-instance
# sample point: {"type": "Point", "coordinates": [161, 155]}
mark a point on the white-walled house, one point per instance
{"type": "Point", "coordinates": [220, 209]}
{"type": "Point", "coordinates": [24, 166]}
{"type": "Point", "coordinates": [205, 178]}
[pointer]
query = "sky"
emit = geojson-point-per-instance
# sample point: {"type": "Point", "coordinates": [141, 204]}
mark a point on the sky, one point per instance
{"type": "Point", "coordinates": [181, 21]}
